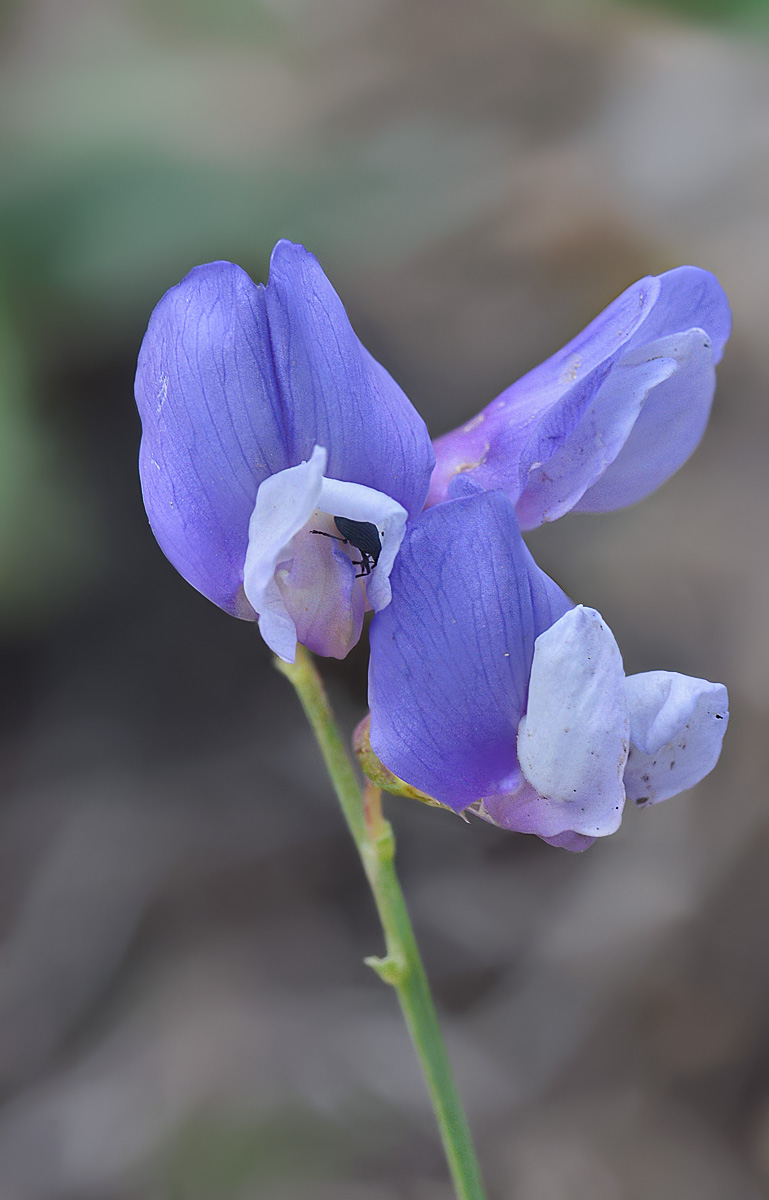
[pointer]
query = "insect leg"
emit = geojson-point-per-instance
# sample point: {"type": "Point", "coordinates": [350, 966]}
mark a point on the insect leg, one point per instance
{"type": "Point", "coordinates": [365, 563]}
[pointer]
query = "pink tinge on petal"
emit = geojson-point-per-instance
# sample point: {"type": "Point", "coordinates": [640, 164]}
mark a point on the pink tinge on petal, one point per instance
{"type": "Point", "coordinates": [463, 450]}
{"type": "Point", "coordinates": [322, 596]}
{"type": "Point", "coordinates": [571, 841]}
{"type": "Point", "coordinates": [525, 811]}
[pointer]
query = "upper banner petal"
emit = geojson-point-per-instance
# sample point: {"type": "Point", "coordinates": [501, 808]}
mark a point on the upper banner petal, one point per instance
{"type": "Point", "coordinates": [212, 423]}
{"type": "Point", "coordinates": [334, 393]}
{"type": "Point", "coordinates": [540, 410]}
{"type": "Point", "coordinates": [573, 741]}
{"type": "Point", "coordinates": [237, 382]}
{"type": "Point", "coordinates": [611, 416]}
{"type": "Point", "coordinates": [688, 298]}
{"type": "Point", "coordinates": [677, 725]}
{"type": "Point", "coordinates": [451, 654]}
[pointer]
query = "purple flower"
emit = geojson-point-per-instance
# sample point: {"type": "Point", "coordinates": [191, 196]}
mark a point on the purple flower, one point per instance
{"type": "Point", "coordinates": [488, 688]}
{"type": "Point", "coordinates": [610, 417]}
{"type": "Point", "coordinates": [263, 419]}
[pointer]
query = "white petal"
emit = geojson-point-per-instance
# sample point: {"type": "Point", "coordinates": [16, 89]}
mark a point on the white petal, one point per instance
{"type": "Point", "coordinates": [276, 626]}
{"type": "Point", "coordinates": [359, 503]}
{"type": "Point", "coordinates": [573, 740]}
{"type": "Point", "coordinates": [677, 725]}
{"type": "Point", "coordinates": [284, 503]}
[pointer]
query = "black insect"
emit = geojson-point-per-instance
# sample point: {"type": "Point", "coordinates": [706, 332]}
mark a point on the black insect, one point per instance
{"type": "Point", "coordinates": [364, 536]}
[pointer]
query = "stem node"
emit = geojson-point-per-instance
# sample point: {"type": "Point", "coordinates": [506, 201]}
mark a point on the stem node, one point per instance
{"type": "Point", "coordinates": [390, 969]}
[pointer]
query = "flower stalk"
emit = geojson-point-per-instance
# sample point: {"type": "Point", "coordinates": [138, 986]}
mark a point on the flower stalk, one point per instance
{"type": "Point", "coordinates": [401, 967]}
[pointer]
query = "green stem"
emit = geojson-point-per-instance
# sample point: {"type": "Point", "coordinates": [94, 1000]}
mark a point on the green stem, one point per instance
{"type": "Point", "coordinates": [402, 965]}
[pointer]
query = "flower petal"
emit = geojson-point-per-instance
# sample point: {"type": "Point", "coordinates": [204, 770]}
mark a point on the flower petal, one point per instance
{"type": "Point", "coordinates": [237, 382]}
{"type": "Point", "coordinates": [677, 725]}
{"type": "Point", "coordinates": [322, 596]}
{"type": "Point", "coordinates": [212, 423]}
{"type": "Point", "coordinates": [688, 298]}
{"type": "Point", "coordinates": [450, 656]}
{"type": "Point", "coordinates": [556, 487]}
{"type": "Point", "coordinates": [525, 811]}
{"type": "Point", "coordinates": [284, 504]}
{"type": "Point", "coordinates": [670, 424]}
{"type": "Point", "coordinates": [576, 843]}
{"type": "Point", "coordinates": [607, 419]}
{"type": "Point", "coordinates": [573, 740]}
{"type": "Point", "coordinates": [544, 406]}
{"type": "Point", "coordinates": [335, 394]}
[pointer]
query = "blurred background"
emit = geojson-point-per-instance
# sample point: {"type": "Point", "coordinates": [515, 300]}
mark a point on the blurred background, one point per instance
{"type": "Point", "coordinates": [184, 1013]}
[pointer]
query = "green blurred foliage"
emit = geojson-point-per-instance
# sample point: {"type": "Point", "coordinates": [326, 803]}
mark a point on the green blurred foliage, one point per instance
{"type": "Point", "coordinates": [44, 529]}
{"type": "Point", "coordinates": [751, 15]}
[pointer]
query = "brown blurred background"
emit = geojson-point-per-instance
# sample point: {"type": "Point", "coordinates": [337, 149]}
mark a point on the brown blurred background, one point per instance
{"type": "Point", "coordinates": [184, 1014]}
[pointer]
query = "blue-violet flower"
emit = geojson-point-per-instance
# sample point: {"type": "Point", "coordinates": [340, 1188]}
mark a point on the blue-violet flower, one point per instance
{"type": "Point", "coordinates": [608, 418]}
{"type": "Point", "coordinates": [487, 687]}
{"type": "Point", "coordinates": [263, 419]}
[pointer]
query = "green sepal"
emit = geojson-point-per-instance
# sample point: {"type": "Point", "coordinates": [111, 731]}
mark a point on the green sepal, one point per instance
{"type": "Point", "coordinates": [379, 774]}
